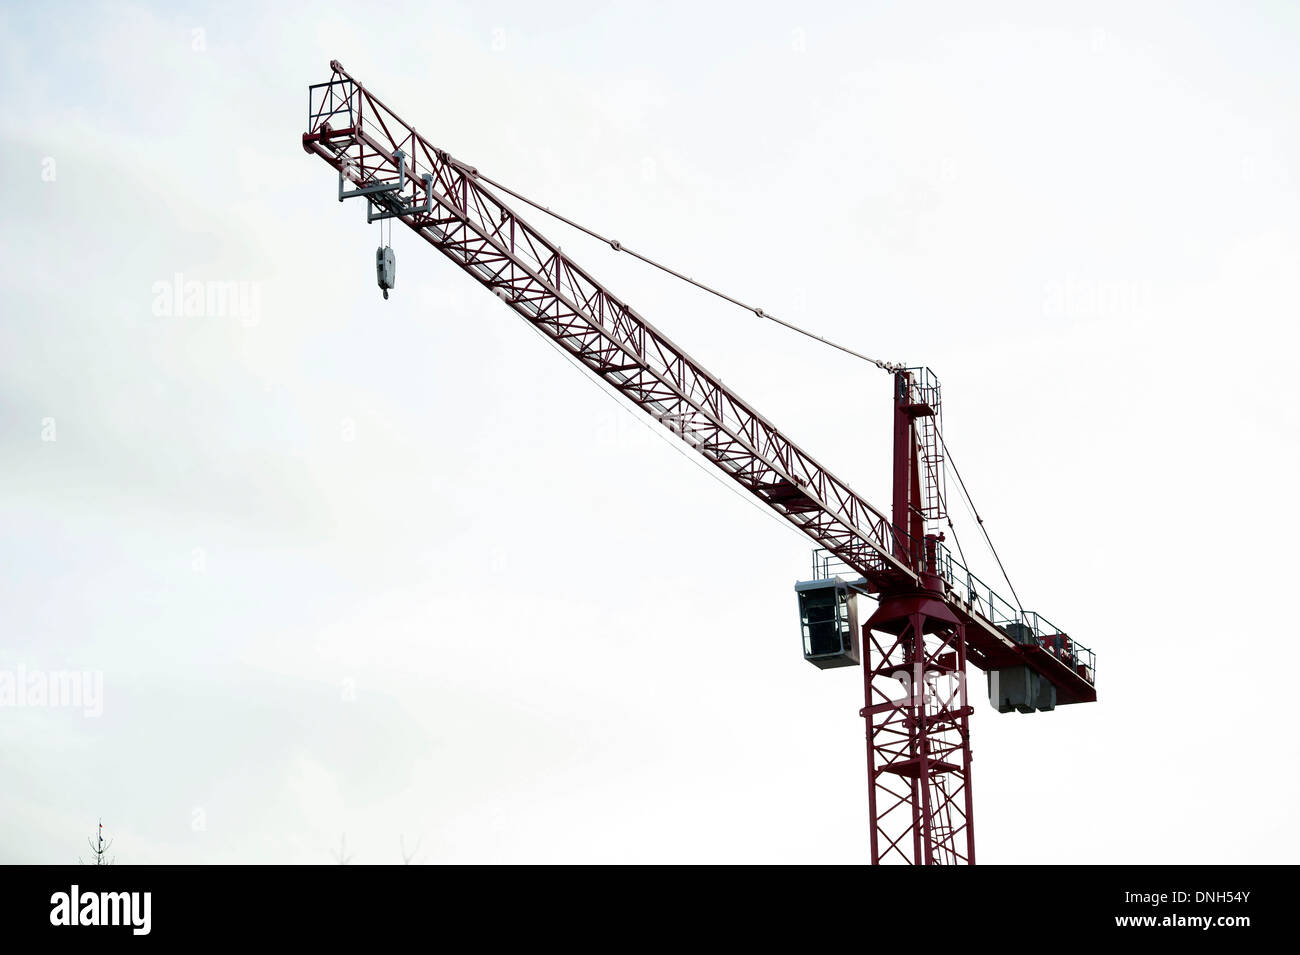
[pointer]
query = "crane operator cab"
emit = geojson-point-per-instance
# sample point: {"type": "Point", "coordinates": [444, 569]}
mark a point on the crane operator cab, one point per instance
{"type": "Point", "coordinates": [828, 616]}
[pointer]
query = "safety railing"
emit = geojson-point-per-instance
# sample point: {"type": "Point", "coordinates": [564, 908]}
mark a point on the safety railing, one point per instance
{"type": "Point", "coordinates": [979, 598]}
{"type": "Point", "coordinates": [326, 101]}
{"type": "Point", "coordinates": [982, 599]}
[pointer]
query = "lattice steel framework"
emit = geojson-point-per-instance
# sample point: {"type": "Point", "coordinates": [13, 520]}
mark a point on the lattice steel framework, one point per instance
{"type": "Point", "coordinates": [475, 229]}
{"type": "Point", "coordinates": [401, 176]}
{"type": "Point", "coordinates": [918, 734]}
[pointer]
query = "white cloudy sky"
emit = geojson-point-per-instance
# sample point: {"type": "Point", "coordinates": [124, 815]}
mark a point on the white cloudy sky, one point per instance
{"type": "Point", "coordinates": [508, 620]}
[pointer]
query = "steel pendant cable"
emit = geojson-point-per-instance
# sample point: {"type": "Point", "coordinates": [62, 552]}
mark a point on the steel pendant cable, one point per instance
{"type": "Point", "coordinates": [891, 367]}
{"type": "Point", "coordinates": [979, 520]}
{"type": "Point", "coordinates": [618, 246]}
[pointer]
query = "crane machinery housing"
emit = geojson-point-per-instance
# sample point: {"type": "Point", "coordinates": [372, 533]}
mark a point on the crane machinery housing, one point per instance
{"type": "Point", "coordinates": [933, 616]}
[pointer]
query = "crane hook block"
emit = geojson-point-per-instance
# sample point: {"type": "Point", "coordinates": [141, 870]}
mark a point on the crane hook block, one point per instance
{"type": "Point", "coordinates": [385, 268]}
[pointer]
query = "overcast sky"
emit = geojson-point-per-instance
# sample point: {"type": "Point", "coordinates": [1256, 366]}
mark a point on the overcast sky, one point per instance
{"type": "Point", "coordinates": [395, 569]}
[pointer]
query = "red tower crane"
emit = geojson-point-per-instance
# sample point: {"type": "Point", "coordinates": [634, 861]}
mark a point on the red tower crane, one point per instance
{"type": "Point", "coordinates": [933, 616]}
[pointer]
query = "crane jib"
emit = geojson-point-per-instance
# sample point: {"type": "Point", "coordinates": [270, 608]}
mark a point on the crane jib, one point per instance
{"type": "Point", "coordinates": [401, 176]}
